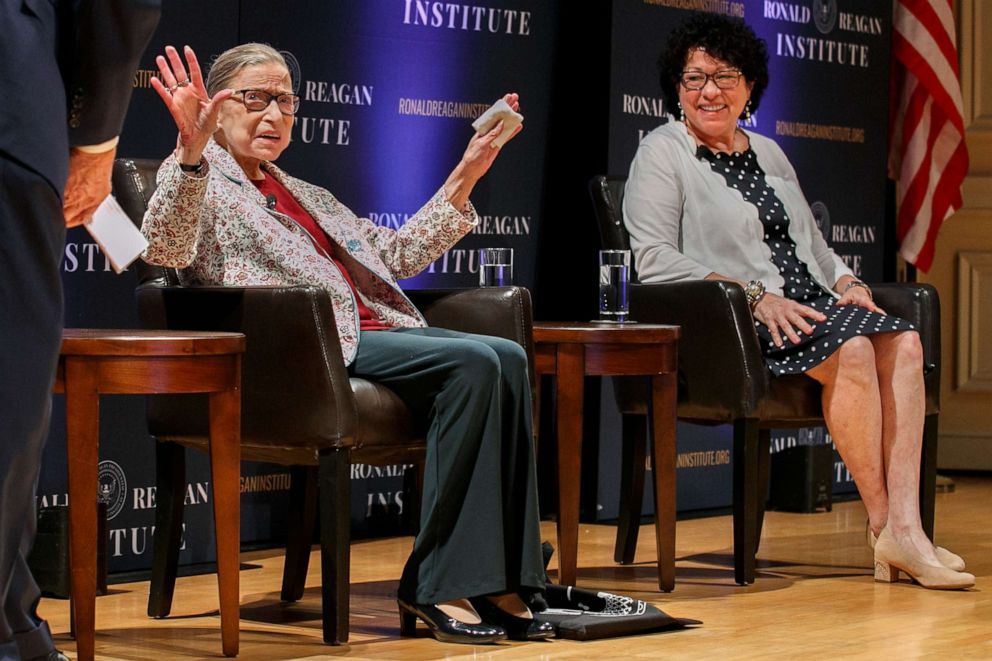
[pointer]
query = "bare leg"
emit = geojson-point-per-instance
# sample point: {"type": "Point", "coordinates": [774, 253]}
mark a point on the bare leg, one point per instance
{"type": "Point", "coordinates": [852, 408]}
{"type": "Point", "coordinates": [899, 364]}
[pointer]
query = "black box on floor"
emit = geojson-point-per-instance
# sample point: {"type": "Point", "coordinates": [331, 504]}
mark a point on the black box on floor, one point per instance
{"type": "Point", "coordinates": [802, 478]}
{"type": "Point", "coordinates": [49, 557]}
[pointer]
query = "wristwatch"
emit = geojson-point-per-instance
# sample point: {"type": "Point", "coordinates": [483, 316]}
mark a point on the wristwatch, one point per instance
{"type": "Point", "coordinates": [196, 168]}
{"type": "Point", "coordinates": [858, 283]}
{"type": "Point", "coordinates": [754, 290]}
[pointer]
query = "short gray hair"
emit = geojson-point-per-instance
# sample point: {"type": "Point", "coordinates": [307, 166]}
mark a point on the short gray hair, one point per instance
{"type": "Point", "coordinates": [227, 65]}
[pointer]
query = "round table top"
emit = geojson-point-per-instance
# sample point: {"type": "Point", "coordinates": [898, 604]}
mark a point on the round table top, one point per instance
{"type": "Point", "coordinates": [594, 332]}
{"type": "Point", "coordinates": [131, 342]}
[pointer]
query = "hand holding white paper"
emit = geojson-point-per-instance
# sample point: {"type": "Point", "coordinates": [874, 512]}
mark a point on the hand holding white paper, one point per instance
{"type": "Point", "coordinates": [118, 238]}
{"type": "Point", "coordinates": [499, 111]}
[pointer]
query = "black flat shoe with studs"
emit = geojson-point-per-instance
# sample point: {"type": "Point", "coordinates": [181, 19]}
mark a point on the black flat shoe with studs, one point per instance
{"type": "Point", "coordinates": [444, 627]}
{"type": "Point", "coordinates": [517, 628]}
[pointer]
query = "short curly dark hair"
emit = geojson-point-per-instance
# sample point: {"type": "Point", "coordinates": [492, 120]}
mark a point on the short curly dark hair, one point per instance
{"type": "Point", "coordinates": [722, 37]}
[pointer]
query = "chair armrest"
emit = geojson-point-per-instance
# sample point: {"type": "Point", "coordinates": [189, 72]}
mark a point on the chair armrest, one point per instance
{"type": "Point", "coordinates": [918, 304]}
{"type": "Point", "coordinates": [721, 371]}
{"type": "Point", "coordinates": [292, 372]}
{"type": "Point", "coordinates": [499, 311]}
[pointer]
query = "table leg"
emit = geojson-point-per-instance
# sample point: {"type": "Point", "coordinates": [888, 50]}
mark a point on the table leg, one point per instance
{"type": "Point", "coordinates": [225, 470]}
{"type": "Point", "coordinates": [663, 403]}
{"type": "Point", "coordinates": [82, 409]}
{"type": "Point", "coordinates": [568, 395]}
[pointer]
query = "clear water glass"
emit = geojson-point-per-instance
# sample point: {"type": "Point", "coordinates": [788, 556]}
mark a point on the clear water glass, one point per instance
{"type": "Point", "coordinates": [614, 281]}
{"type": "Point", "coordinates": [495, 267]}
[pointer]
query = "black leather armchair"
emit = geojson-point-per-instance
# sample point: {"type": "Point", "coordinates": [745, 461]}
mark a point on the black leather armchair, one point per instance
{"type": "Point", "coordinates": [300, 407]}
{"type": "Point", "coordinates": [723, 380]}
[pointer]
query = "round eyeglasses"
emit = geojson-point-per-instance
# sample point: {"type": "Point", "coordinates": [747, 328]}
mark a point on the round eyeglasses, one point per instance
{"type": "Point", "coordinates": [726, 79]}
{"type": "Point", "coordinates": [259, 100]}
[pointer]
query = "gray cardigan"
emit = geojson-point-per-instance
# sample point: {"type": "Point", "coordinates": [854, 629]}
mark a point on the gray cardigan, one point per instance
{"type": "Point", "coordinates": [685, 222]}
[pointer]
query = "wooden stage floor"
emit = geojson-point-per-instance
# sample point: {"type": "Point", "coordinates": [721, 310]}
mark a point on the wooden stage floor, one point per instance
{"type": "Point", "coordinates": [814, 599]}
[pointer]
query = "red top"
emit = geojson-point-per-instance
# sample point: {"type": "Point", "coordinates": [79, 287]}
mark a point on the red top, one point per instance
{"type": "Point", "coordinates": [285, 203]}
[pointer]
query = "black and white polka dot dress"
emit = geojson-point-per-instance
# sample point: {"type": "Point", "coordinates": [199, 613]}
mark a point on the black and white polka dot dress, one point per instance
{"type": "Point", "coordinates": [743, 173]}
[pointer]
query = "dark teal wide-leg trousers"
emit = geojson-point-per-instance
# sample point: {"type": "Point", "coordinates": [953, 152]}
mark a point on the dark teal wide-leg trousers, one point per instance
{"type": "Point", "coordinates": [480, 526]}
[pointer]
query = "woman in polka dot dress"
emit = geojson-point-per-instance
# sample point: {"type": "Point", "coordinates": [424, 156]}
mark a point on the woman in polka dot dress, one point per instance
{"type": "Point", "coordinates": [707, 200]}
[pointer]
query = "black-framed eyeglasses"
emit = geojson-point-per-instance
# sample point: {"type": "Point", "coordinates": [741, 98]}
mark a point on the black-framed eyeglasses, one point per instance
{"type": "Point", "coordinates": [259, 100]}
{"type": "Point", "coordinates": [725, 79]}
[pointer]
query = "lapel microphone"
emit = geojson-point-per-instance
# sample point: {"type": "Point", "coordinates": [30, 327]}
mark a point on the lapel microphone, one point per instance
{"type": "Point", "coordinates": [270, 201]}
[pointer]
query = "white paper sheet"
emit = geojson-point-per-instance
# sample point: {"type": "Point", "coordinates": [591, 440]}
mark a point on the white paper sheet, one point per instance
{"type": "Point", "coordinates": [116, 235]}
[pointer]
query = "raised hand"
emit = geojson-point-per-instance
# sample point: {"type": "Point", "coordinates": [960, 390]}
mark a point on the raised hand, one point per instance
{"type": "Point", "coordinates": [481, 152]}
{"type": "Point", "coordinates": [185, 95]}
{"type": "Point", "coordinates": [477, 159]}
{"type": "Point", "coordinates": [784, 316]}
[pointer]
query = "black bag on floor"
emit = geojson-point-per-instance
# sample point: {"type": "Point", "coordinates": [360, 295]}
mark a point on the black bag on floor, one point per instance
{"type": "Point", "coordinates": [586, 615]}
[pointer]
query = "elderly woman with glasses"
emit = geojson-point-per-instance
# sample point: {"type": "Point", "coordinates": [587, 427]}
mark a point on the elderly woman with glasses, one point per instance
{"type": "Point", "coordinates": [706, 199]}
{"type": "Point", "coordinates": [225, 214]}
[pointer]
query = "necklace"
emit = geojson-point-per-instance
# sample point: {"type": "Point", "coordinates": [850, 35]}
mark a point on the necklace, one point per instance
{"type": "Point", "coordinates": [740, 138]}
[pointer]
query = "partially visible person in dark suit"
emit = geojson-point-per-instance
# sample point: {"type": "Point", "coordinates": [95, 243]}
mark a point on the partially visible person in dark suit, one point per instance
{"type": "Point", "coordinates": [66, 70]}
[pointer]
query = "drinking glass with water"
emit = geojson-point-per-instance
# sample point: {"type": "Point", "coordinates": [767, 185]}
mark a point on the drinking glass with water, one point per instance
{"type": "Point", "coordinates": [614, 278]}
{"type": "Point", "coordinates": [495, 267]}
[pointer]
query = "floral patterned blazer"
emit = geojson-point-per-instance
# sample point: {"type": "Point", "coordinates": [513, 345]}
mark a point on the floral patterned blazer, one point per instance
{"type": "Point", "coordinates": [215, 227]}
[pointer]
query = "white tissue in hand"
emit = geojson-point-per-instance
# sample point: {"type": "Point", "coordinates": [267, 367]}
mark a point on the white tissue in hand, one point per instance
{"type": "Point", "coordinates": [500, 110]}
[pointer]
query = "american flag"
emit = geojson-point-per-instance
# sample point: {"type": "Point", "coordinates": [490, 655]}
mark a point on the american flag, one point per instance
{"type": "Point", "coordinates": [928, 156]}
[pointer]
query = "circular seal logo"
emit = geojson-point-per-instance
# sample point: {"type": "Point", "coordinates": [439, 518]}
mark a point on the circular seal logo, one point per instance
{"type": "Point", "coordinates": [295, 74]}
{"type": "Point", "coordinates": [822, 217]}
{"type": "Point", "coordinates": [811, 436]}
{"type": "Point", "coordinates": [825, 15]}
{"type": "Point", "coordinates": [111, 487]}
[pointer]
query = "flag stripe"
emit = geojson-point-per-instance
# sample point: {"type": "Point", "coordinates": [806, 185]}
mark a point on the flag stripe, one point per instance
{"type": "Point", "coordinates": [922, 23]}
{"type": "Point", "coordinates": [943, 12]}
{"type": "Point", "coordinates": [943, 199]}
{"type": "Point", "coordinates": [915, 174]}
{"type": "Point", "coordinates": [948, 198]}
{"type": "Point", "coordinates": [916, 124]}
{"type": "Point", "coordinates": [928, 154]}
{"type": "Point", "coordinates": [918, 53]}
{"type": "Point", "coordinates": [920, 252]}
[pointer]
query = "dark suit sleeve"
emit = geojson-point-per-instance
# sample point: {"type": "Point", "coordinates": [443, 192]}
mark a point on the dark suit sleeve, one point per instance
{"type": "Point", "coordinates": [110, 37]}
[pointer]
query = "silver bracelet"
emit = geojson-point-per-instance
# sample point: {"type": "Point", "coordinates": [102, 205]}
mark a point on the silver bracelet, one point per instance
{"type": "Point", "coordinates": [754, 290]}
{"type": "Point", "coordinates": [858, 283]}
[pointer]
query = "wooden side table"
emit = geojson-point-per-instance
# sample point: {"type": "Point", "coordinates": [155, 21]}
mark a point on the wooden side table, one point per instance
{"type": "Point", "coordinates": [131, 362]}
{"type": "Point", "coordinates": [570, 351]}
